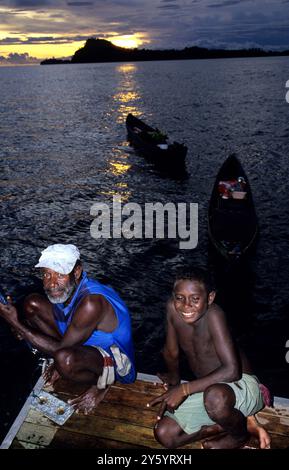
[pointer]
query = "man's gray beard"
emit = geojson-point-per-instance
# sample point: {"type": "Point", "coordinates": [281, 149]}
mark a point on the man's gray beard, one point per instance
{"type": "Point", "coordinates": [64, 297]}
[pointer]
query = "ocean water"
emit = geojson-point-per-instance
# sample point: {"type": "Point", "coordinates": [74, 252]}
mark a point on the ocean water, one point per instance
{"type": "Point", "coordinates": [64, 147]}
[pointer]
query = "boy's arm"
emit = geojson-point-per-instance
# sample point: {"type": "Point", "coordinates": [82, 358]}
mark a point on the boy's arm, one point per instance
{"type": "Point", "coordinates": [228, 371]}
{"type": "Point", "coordinates": [171, 351]}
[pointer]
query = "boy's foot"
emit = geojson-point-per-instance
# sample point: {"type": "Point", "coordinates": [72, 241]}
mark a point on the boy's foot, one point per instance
{"type": "Point", "coordinates": [226, 441]}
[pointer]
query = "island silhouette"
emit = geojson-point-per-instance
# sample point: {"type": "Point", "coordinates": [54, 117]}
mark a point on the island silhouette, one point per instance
{"type": "Point", "coordinates": [101, 50]}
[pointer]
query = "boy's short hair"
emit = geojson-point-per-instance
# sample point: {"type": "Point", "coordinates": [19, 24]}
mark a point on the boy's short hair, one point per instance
{"type": "Point", "coordinates": [197, 274]}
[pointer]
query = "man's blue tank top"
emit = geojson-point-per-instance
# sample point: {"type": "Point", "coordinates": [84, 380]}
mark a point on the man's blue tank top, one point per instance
{"type": "Point", "coordinates": [121, 336]}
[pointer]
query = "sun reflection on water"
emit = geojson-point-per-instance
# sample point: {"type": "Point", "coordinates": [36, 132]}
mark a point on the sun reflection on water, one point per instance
{"type": "Point", "coordinates": [127, 98]}
{"type": "Point", "coordinates": [118, 168]}
{"type": "Point", "coordinates": [120, 196]}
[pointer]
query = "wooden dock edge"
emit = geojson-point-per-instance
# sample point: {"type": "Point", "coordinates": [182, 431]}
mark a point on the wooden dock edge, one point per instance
{"type": "Point", "coordinates": [21, 416]}
{"type": "Point", "coordinates": [279, 402]}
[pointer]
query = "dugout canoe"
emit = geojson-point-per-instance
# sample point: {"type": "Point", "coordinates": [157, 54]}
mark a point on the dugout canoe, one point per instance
{"type": "Point", "coordinates": [154, 145]}
{"type": "Point", "coordinates": [232, 220]}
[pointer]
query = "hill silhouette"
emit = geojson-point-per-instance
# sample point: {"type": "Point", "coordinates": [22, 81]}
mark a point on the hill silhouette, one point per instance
{"type": "Point", "coordinates": [101, 50]}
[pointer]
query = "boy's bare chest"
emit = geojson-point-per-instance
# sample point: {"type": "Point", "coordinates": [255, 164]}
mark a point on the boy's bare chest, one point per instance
{"type": "Point", "coordinates": [190, 337]}
{"type": "Point", "coordinates": [197, 347]}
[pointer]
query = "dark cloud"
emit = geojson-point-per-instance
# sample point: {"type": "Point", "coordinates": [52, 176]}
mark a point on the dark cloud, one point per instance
{"type": "Point", "coordinates": [30, 3]}
{"type": "Point", "coordinates": [167, 23]}
{"type": "Point", "coordinates": [42, 40]}
{"type": "Point", "coordinates": [15, 58]}
{"type": "Point", "coordinates": [80, 4]}
{"type": "Point", "coordinates": [169, 6]}
{"type": "Point", "coordinates": [226, 3]}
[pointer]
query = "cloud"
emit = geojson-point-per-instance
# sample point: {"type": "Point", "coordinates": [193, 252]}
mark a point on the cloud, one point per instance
{"type": "Point", "coordinates": [164, 23]}
{"type": "Point", "coordinates": [41, 40]}
{"type": "Point", "coordinates": [15, 58]}
{"type": "Point", "coordinates": [79, 4]}
{"type": "Point", "coordinates": [30, 3]}
{"type": "Point", "coordinates": [227, 3]}
{"type": "Point", "coordinates": [169, 6]}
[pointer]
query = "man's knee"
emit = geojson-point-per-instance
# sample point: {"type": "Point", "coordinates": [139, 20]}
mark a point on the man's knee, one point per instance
{"type": "Point", "coordinates": [219, 399]}
{"type": "Point", "coordinates": [65, 362]}
{"type": "Point", "coordinates": [33, 304]}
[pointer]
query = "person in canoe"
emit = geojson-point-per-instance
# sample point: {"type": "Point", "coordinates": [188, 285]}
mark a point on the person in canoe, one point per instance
{"type": "Point", "coordinates": [82, 324]}
{"type": "Point", "coordinates": [225, 396]}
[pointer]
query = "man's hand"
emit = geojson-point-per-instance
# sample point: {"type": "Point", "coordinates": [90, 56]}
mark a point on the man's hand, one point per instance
{"type": "Point", "coordinates": [169, 400]}
{"type": "Point", "coordinates": [16, 334]}
{"type": "Point", "coordinates": [8, 312]}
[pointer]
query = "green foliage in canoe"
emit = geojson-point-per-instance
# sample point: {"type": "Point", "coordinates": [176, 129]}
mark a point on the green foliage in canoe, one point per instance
{"type": "Point", "coordinates": [157, 136]}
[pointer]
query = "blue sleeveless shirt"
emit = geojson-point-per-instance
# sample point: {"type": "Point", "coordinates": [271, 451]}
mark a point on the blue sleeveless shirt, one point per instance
{"type": "Point", "coordinates": [121, 336]}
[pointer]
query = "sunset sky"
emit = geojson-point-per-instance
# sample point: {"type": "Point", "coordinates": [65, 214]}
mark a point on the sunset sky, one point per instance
{"type": "Point", "coordinates": [31, 30]}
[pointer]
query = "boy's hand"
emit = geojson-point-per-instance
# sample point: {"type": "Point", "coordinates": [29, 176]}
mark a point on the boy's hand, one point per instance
{"type": "Point", "coordinates": [169, 400]}
{"type": "Point", "coordinates": [169, 380]}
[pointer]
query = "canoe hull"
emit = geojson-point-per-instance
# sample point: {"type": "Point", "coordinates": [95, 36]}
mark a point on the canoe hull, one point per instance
{"type": "Point", "coordinates": [232, 223]}
{"type": "Point", "coordinates": [172, 156]}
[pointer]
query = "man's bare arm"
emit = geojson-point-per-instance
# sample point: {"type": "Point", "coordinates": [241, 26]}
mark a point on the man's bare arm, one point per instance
{"type": "Point", "coordinates": [85, 320]}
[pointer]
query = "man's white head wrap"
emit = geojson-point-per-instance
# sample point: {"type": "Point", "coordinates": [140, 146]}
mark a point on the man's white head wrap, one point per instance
{"type": "Point", "coordinates": [60, 258]}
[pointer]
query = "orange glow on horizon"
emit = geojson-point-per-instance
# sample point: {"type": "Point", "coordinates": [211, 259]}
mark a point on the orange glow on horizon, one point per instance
{"type": "Point", "coordinates": [63, 49]}
{"type": "Point", "coordinates": [129, 41]}
{"type": "Point", "coordinates": [42, 51]}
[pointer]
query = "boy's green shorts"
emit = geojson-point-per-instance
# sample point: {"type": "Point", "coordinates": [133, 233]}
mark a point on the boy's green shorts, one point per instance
{"type": "Point", "coordinates": [191, 415]}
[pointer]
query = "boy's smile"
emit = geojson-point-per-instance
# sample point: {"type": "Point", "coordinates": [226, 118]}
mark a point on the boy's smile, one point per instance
{"type": "Point", "coordinates": [191, 300]}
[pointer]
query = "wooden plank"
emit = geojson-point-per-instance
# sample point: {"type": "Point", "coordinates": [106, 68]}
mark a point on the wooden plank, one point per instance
{"type": "Point", "coordinates": [64, 439]}
{"type": "Point", "coordinates": [275, 425]}
{"type": "Point", "coordinates": [35, 434]}
{"type": "Point", "coordinates": [279, 441]}
{"type": "Point", "coordinates": [104, 428]}
{"type": "Point", "coordinates": [275, 420]}
{"type": "Point", "coordinates": [279, 433]}
{"type": "Point", "coordinates": [284, 412]}
{"type": "Point", "coordinates": [24, 445]}
{"type": "Point", "coordinates": [122, 420]}
{"type": "Point", "coordinates": [69, 440]}
{"type": "Point", "coordinates": [42, 431]}
{"type": "Point", "coordinates": [281, 402]}
{"type": "Point", "coordinates": [21, 416]}
{"type": "Point", "coordinates": [145, 417]}
{"type": "Point", "coordinates": [145, 388]}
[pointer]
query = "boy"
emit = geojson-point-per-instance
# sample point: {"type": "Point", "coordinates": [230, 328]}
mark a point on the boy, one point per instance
{"type": "Point", "coordinates": [223, 393]}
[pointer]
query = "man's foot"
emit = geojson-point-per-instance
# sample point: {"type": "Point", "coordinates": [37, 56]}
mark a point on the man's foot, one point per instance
{"type": "Point", "coordinates": [50, 376]}
{"type": "Point", "coordinates": [89, 400]}
{"type": "Point", "coordinates": [226, 441]}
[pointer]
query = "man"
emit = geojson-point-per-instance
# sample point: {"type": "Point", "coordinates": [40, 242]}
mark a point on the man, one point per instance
{"type": "Point", "coordinates": [82, 324]}
{"type": "Point", "coordinates": [224, 392]}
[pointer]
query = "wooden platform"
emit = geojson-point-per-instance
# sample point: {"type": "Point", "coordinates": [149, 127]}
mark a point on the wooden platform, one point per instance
{"type": "Point", "coordinates": [121, 421]}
